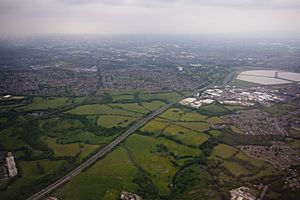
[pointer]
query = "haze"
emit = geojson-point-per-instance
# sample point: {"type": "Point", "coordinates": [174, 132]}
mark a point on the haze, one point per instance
{"type": "Point", "coordinates": [196, 17]}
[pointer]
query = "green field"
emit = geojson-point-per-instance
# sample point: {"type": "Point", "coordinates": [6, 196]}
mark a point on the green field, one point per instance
{"type": "Point", "coordinates": [172, 114]}
{"type": "Point", "coordinates": [98, 109]}
{"type": "Point", "coordinates": [104, 180]}
{"type": "Point", "coordinates": [125, 97]}
{"type": "Point", "coordinates": [186, 136]}
{"type": "Point", "coordinates": [71, 149]}
{"type": "Point", "coordinates": [223, 151]}
{"type": "Point", "coordinates": [281, 109]}
{"type": "Point", "coordinates": [154, 126]}
{"type": "Point", "coordinates": [193, 116]}
{"type": "Point", "coordinates": [30, 173]}
{"type": "Point", "coordinates": [196, 126]}
{"type": "Point", "coordinates": [234, 168]}
{"type": "Point", "coordinates": [42, 103]}
{"type": "Point", "coordinates": [171, 96]}
{"type": "Point", "coordinates": [154, 105]}
{"type": "Point", "coordinates": [132, 107]}
{"type": "Point", "coordinates": [245, 84]}
{"type": "Point", "coordinates": [10, 140]}
{"type": "Point", "coordinates": [213, 109]}
{"type": "Point", "coordinates": [159, 167]}
{"type": "Point", "coordinates": [110, 121]}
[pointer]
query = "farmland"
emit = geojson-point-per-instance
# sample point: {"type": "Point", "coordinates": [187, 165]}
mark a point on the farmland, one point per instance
{"type": "Point", "coordinates": [49, 147]}
{"type": "Point", "coordinates": [171, 147]}
{"type": "Point", "coordinates": [175, 155]}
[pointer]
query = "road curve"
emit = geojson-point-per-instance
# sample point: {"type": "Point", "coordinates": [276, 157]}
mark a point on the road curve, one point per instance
{"type": "Point", "coordinates": [141, 122]}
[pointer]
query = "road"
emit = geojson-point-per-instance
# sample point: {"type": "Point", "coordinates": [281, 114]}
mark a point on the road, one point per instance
{"type": "Point", "coordinates": [140, 123]}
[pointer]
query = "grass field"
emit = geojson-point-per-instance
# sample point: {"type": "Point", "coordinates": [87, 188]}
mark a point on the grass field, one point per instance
{"type": "Point", "coordinates": [154, 126]}
{"type": "Point", "coordinates": [215, 133]}
{"type": "Point", "coordinates": [30, 173]}
{"type": "Point", "coordinates": [186, 136]}
{"type": "Point", "coordinates": [98, 109]}
{"type": "Point", "coordinates": [110, 121]}
{"type": "Point", "coordinates": [133, 107]}
{"type": "Point", "coordinates": [196, 126]}
{"type": "Point", "coordinates": [178, 149]}
{"type": "Point", "coordinates": [295, 143]}
{"type": "Point", "coordinates": [235, 168]}
{"type": "Point", "coordinates": [42, 103]}
{"type": "Point", "coordinates": [245, 84]}
{"type": "Point", "coordinates": [125, 97]}
{"type": "Point", "coordinates": [159, 167]}
{"type": "Point", "coordinates": [213, 109]}
{"type": "Point", "coordinates": [214, 120]}
{"type": "Point", "coordinates": [172, 114]}
{"type": "Point", "coordinates": [104, 180]}
{"type": "Point", "coordinates": [193, 116]}
{"type": "Point", "coordinates": [84, 137]}
{"type": "Point", "coordinates": [280, 109]}
{"type": "Point", "coordinates": [254, 161]}
{"type": "Point", "coordinates": [154, 105]}
{"type": "Point", "coordinates": [171, 96]}
{"type": "Point", "coordinates": [69, 149]}
{"type": "Point", "coordinates": [223, 151]}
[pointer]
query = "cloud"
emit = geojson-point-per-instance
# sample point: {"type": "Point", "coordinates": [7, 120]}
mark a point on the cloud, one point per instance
{"type": "Point", "coordinates": [150, 16]}
{"type": "Point", "coordinates": [248, 4]}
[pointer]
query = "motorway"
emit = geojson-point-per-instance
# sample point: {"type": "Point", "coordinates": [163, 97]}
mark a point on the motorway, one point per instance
{"type": "Point", "coordinates": [140, 123]}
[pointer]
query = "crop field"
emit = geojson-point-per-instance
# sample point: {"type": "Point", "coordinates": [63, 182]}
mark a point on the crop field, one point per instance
{"type": "Point", "coordinates": [104, 180]}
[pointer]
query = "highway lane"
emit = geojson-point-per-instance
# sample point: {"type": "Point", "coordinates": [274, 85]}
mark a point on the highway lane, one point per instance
{"type": "Point", "coordinates": [102, 152]}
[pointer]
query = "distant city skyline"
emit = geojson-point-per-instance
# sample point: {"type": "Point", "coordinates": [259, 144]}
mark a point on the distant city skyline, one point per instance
{"type": "Point", "coordinates": [196, 17]}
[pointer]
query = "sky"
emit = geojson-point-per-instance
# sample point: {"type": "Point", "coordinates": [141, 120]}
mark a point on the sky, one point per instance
{"type": "Point", "coordinates": [182, 17]}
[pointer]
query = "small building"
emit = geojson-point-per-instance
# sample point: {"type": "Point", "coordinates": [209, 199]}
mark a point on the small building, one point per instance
{"type": "Point", "coordinates": [129, 196]}
{"type": "Point", "coordinates": [11, 165]}
{"type": "Point", "coordinates": [242, 193]}
{"type": "Point", "coordinates": [207, 101]}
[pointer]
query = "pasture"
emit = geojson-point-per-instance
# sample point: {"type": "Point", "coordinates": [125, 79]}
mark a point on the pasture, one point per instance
{"type": "Point", "coordinates": [104, 180]}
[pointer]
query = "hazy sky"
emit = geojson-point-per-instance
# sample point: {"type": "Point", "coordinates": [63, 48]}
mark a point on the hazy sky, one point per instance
{"type": "Point", "coordinates": [242, 17]}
